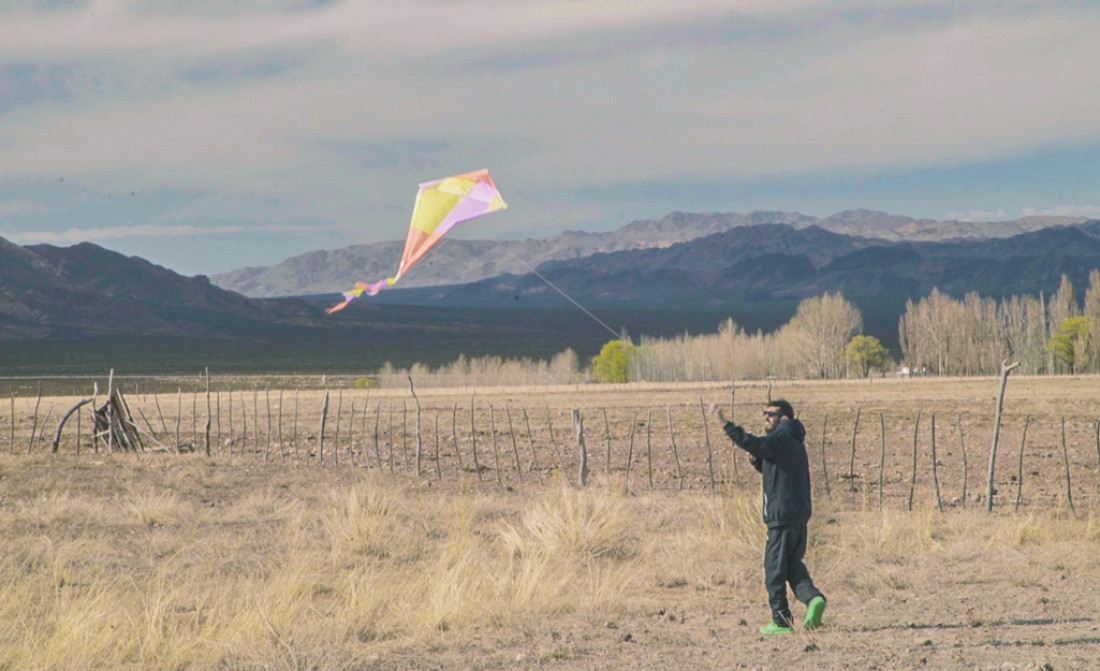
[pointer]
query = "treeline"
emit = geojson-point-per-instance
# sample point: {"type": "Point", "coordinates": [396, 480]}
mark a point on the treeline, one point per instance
{"type": "Point", "coordinates": [938, 335]}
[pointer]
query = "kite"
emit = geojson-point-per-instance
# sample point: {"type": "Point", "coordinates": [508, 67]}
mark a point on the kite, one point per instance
{"type": "Point", "coordinates": [440, 204]}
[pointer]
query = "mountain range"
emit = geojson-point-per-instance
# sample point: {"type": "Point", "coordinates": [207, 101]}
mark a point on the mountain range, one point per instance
{"type": "Point", "coordinates": [459, 261]}
{"type": "Point", "coordinates": [744, 265]}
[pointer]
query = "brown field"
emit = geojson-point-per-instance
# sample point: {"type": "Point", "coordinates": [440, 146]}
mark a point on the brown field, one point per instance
{"type": "Point", "coordinates": [275, 552]}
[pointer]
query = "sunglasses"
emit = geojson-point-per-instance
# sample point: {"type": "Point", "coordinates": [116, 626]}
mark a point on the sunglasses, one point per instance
{"type": "Point", "coordinates": [771, 413]}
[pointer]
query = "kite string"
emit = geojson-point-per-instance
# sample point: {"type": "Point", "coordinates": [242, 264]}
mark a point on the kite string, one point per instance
{"type": "Point", "coordinates": [567, 297]}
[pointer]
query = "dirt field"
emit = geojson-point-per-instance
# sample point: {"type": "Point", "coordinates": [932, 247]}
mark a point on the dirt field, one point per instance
{"type": "Point", "coordinates": [909, 586]}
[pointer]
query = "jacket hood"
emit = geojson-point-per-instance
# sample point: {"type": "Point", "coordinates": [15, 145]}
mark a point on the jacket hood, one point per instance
{"type": "Point", "coordinates": [794, 427]}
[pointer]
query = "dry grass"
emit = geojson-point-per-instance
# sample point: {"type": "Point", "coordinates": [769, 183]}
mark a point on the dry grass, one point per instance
{"type": "Point", "coordinates": [186, 561]}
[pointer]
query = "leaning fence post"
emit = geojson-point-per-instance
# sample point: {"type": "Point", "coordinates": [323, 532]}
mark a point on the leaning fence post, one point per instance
{"type": "Point", "coordinates": [824, 467]}
{"type": "Point", "coordinates": [852, 462]}
{"type": "Point", "coordinates": [962, 447]}
{"type": "Point", "coordinates": [881, 454]}
{"type": "Point", "coordinates": [531, 439]}
{"type": "Point", "coordinates": [554, 444]}
{"type": "Point", "coordinates": [1020, 465]}
{"type": "Point", "coordinates": [649, 446]}
{"type": "Point", "coordinates": [34, 426]}
{"type": "Point", "coordinates": [493, 437]}
{"type": "Point", "coordinates": [675, 452]}
{"type": "Point", "coordinates": [515, 448]}
{"type": "Point", "coordinates": [733, 418]}
{"type": "Point", "coordinates": [207, 427]}
{"type": "Point", "coordinates": [473, 440]}
{"type": "Point", "coordinates": [321, 435]}
{"type": "Point", "coordinates": [578, 431]}
{"type": "Point", "coordinates": [61, 425]}
{"type": "Point", "coordinates": [630, 448]}
{"type": "Point", "coordinates": [935, 469]}
{"type": "Point", "coordinates": [706, 438]}
{"type": "Point", "coordinates": [419, 445]}
{"type": "Point", "coordinates": [1098, 453]}
{"type": "Point", "coordinates": [1065, 457]}
{"type": "Point", "coordinates": [913, 475]}
{"type": "Point", "coordinates": [1006, 368]}
{"type": "Point", "coordinates": [454, 436]}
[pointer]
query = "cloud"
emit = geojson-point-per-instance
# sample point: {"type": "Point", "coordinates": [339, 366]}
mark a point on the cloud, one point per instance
{"type": "Point", "coordinates": [977, 215]}
{"type": "Point", "coordinates": [1087, 211]}
{"type": "Point", "coordinates": [333, 111]}
{"type": "Point", "coordinates": [74, 235]}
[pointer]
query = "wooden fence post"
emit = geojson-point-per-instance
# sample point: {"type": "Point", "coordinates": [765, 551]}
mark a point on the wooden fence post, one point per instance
{"type": "Point", "coordinates": [473, 439]}
{"type": "Point", "coordinates": [207, 427]}
{"type": "Point", "coordinates": [321, 435]}
{"type": "Point", "coordinates": [962, 447]}
{"type": "Point", "coordinates": [649, 445]}
{"type": "Point", "coordinates": [419, 443]}
{"type": "Point", "coordinates": [34, 426]}
{"type": "Point", "coordinates": [493, 439]}
{"type": "Point", "coordinates": [706, 438]}
{"type": "Point", "coordinates": [515, 448]}
{"type": "Point", "coordinates": [557, 452]}
{"type": "Point", "coordinates": [1020, 465]}
{"type": "Point", "coordinates": [454, 436]}
{"type": "Point", "coordinates": [913, 476]}
{"type": "Point", "coordinates": [578, 432]}
{"type": "Point", "coordinates": [881, 454]}
{"type": "Point", "coordinates": [531, 439]}
{"type": "Point", "coordinates": [824, 466]}
{"type": "Point", "coordinates": [935, 468]}
{"type": "Point", "coordinates": [1065, 458]}
{"type": "Point", "coordinates": [675, 452]}
{"type": "Point", "coordinates": [852, 461]}
{"type": "Point", "coordinates": [1006, 368]}
{"type": "Point", "coordinates": [630, 448]}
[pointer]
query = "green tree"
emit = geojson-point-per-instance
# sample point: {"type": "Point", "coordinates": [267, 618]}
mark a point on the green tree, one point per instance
{"type": "Point", "coordinates": [612, 364]}
{"type": "Point", "coordinates": [1070, 343]}
{"type": "Point", "coordinates": [865, 353]}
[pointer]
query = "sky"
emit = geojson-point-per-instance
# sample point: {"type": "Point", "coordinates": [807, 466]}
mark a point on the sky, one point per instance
{"type": "Point", "coordinates": [210, 135]}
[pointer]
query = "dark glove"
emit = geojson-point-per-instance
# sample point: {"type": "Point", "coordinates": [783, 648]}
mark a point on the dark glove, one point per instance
{"type": "Point", "coordinates": [735, 432]}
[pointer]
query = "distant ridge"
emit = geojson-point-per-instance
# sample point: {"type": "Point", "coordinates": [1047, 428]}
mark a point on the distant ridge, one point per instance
{"type": "Point", "coordinates": [456, 261]}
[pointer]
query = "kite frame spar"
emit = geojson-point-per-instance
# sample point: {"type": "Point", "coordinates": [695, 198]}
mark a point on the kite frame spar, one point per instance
{"type": "Point", "coordinates": [440, 205]}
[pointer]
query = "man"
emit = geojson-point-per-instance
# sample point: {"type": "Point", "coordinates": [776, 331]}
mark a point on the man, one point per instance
{"type": "Point", "coordinates": [780, 456]}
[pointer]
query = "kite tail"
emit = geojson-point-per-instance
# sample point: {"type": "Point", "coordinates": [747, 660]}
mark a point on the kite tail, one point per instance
{"type": "Point", "coordinates": [360, 289]}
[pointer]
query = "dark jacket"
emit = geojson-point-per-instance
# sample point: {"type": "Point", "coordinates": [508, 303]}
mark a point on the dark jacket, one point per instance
{"type": "Point", "coordinates": [781, 457]}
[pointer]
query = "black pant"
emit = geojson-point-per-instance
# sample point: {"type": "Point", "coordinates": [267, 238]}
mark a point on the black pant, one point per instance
{"type": "Point", "coordinates": [783, 555]}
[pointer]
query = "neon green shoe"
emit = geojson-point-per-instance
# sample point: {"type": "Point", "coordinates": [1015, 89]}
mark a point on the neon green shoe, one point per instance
{"type": "Point", "coordinates": [772, 628]}
{"type": "Point", "coordinates": [815, 610]}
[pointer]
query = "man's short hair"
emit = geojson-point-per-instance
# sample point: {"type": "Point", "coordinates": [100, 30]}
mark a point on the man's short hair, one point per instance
{"type": "Point", "coordinates": [785, 409]}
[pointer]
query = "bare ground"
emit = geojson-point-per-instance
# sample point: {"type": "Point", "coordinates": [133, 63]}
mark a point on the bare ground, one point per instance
{"type": "Point", "coordinates": [909, 586]}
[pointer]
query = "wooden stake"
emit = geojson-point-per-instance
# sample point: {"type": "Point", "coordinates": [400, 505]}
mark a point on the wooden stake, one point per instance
{"type": "Point", "coordinates": [675, 452]}
{"type": "Point", "coordinates": [557, 452]}
{"type": "Point", "coordinates": [881, 454]}
{"type": "Point", "coordinates": [1020, 465]}
{"type": "Point", "coordinates": [706, 439]}
{"type": "Point", "coordinates": [1065, 458]}
{"type": "Point", "coordinates": [473, 440]}
{"type": "Point", "coordinates": [852, 462]}
{"type": "Point", "coordinates": [531, 439]}
{"type": "Point", "coordinates": [419, 445]}
{"type": "Point", "coordinates": [321, 434]}
{"type": "Point", "coordinates": [1005, 370]}
{"type": "Point", "coordinates": [649, 445]}
{"type": "Point", "coordinates": [578, 433]}
{"type": "Point", "coordinates": [515, 448]}
{"type": "Point", "coordinates": [206, 429]}
{"type": "Point", "coordinates": [913, 475]}
{"type": "Point", "coordinates": [935, 469]}
{"type": "Point", "coordinates": [824, 466]}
